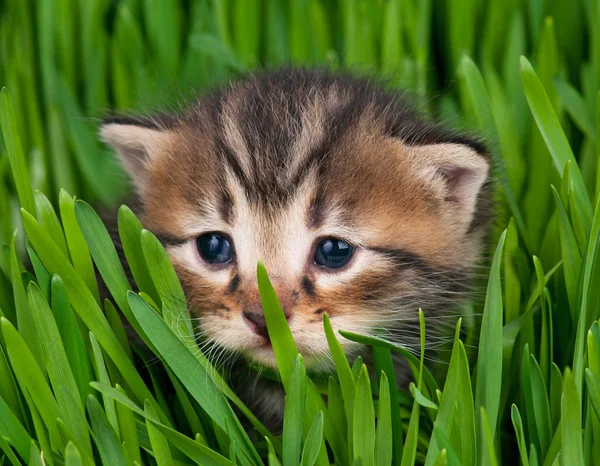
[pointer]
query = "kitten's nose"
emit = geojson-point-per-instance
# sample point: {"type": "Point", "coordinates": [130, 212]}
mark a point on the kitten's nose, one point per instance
{"type": "Point", "coordinates": [257, 323]}
{"type": "Point", "coordinates": [256, 320]}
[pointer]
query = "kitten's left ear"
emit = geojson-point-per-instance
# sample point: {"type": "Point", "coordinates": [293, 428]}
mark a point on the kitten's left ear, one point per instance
{"type": "Point", "coordinates": [136, 144]}
{"type": "Point", "coordinates": [456, 172]}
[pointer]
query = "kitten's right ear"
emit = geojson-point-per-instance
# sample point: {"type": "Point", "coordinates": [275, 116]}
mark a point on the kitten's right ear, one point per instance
{"type": "Point", "coordinates": [136, 144]}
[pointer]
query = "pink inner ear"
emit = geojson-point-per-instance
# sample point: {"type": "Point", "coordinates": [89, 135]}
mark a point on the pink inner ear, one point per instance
{"type": "Point", "coordinates": [458, 182]}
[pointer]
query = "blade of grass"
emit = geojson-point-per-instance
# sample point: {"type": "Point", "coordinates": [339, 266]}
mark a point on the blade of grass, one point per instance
{"type": "Point", "coordinates": [130, 231]}
{"type": "Point", "coordinates": [193, 376]}
{"type": "Point", "coordinates": [104, 435]}
{"type": "Point", "coordinates": [335, 406]}
{"type": "Point", "coordinates": [197, 452]}
{"type": "Point", "coordinates": [14, 148]}
{"type": "Point", "coordinates": [41, 434]}
{"type": "Point", "coordinates": [12, 429]}
{"type": "Point", "coordinates": [9, 391]}
{"type": "Point", "coordinates": [314, 441]}
{"type": "Point", "coordinates": [480, 100]}
{"type": "Point", "coordinates": [85, 305]}
{"type": "Point", "coordinates": [384, 363]}
{"type": "Point", "coordinates": [593, 386]}
{"type": "Point", "coordinates": [25, 322]}
{"type": "Point", "coordinates": [116, 324]}
{"type": "Point", "coordinates": [5, 447]}
{"type": "Point", "coordinates": [94, 168]}
{"type": "Point", "coordinates": [489, 362]}
{"type": "Point", "coordinates": [465, 412]}
{"type": "Point", "coordinates": [285, 351]}
{"type": "Point", "coordinates": [443, 422]}
{"type": "Point", "coordinates": [347, 384]}
{"type": "Point", "coordinates": [411, 358]}
{"type": "Point", "coordinates": [582, 323]}
{"type": "Point", "coordinates": [61, 160]}
{"type": "Point", "coordinates": [410, 445]}
{"type": "Point", "coordinates": [272, 458]}
{"type": "Point", "coordinates": [246, 25]}
{"type": "Point", "coordinates": [78, 249]}
{"type": "Point", "coordinates": [72, 340]}
{"type": "Point", "coordinates": [107, 261]}
{"type": "Point", "coordinates": [556, 383]}
{"type": "Point", "coordinates": [420, 398]}
{"type": "Point", "coordinates": [72, 455]}
{"type": "Point", "coordinates": [528, 397]}
{"type": "Point", "coordinates": [57, 365]}
{"type": "Point", "coordinates": [31, 379]}
{"type": "Point", "coordinates": [384, 439]}
{"type": "Point", "coordinates": [284, 346]}
{"type": "Point", "coordinates": [489, 455]}
{"type": "Point", "coordinates": [189, 410]}
{"type": "Point", "coordinates": [363, 420]}
{"type": "Point", "coordinates": [160, 446]}
{"type": "Point", "coordinates": [572, 445]}
{"type": "Point", "coordinates": [445, 446]}
{"type": "Point", "coordinates": [518, 425]}
{"type": "Point", "coordinates": [41, 274]}
{"type": "Point", "coordinates": [128, 430]}
{"type": "Point", "coordinates": [541, 406]}
{"type": "Point", "coordinates": [103, 377]}
{"type": "Point", "coordinates": [570, 253]}
{"type": "Point", "coordinates": [546, 344]}
{"type": "Point", "coordinates": [295, 401]}
{"type": "Point", "coordinates": [576, 106]}
{"type": "Point", "coordinates": [49, 220]}
{"type": "Point", "coordinates": [553, 134]}
{"type": "Point", "coordinates": [175, 311]}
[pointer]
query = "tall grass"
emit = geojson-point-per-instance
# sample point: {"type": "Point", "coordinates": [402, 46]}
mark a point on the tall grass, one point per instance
{"type": "Point", "coordinates": [522, 383]}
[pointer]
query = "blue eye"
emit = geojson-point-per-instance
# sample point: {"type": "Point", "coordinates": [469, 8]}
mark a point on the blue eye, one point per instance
{"type": "Point", "coordinates": [333, 253]}
{"type": "Point", "coordinates": [215, 248]}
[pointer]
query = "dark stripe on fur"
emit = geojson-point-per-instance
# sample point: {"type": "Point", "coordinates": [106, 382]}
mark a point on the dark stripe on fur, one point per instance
{"type": "Point", "coordinates": [167, 240]}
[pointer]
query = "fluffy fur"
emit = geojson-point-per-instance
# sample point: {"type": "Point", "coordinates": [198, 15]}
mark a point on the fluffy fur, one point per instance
{"type": "Point", "coordinates": [281, 160]}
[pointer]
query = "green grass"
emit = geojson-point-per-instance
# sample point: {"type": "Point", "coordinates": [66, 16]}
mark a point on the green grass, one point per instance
{"type": "Point", "coordinates": [519, 384]}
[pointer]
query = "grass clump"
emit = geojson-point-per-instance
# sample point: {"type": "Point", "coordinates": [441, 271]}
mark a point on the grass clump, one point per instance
{"type": "Point", "coordinates": [521, 384]}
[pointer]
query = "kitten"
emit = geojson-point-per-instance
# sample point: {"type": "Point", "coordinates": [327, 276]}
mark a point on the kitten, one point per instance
{"type": "Point", "coordinates": [357, 207]}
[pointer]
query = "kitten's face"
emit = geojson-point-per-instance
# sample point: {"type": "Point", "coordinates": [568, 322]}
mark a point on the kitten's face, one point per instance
{"type": "Point", "coordinates": [349, 217]}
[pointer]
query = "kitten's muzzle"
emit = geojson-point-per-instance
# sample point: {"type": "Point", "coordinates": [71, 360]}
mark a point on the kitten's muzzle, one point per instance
{"type": "Point", "coordinates": [256, 321]}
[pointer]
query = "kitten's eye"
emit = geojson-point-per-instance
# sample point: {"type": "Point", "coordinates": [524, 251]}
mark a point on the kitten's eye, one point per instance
{"type": "Point", "coordinates": [333, 253]}
{"type": "Point", "coordinates": [215, 248]}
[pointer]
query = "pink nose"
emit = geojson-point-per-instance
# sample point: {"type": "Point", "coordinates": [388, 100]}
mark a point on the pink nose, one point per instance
{"type": "Point", "coordinates": [256, 321]}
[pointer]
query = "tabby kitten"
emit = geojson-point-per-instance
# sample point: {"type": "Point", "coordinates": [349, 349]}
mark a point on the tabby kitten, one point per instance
{"type": "Point", "coordinates": [357, 207]}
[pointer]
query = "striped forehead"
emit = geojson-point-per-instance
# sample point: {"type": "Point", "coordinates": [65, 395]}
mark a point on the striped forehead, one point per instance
{"type": "Point", "coordinates": [271, 145]}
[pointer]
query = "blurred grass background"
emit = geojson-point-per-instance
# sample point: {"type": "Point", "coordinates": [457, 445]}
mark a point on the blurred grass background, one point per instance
{"type": "Point", "coordinates": [69, 62]}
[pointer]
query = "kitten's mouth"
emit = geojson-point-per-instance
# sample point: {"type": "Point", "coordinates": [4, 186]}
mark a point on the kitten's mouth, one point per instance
{"type": "Point", "coordinates": [266, 343]}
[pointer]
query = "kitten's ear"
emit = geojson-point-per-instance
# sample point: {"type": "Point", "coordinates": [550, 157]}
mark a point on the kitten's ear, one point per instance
{"type": "Point", "coordinates": [456, 172]}
{"type": "Point", "coordinates": [136, 144]}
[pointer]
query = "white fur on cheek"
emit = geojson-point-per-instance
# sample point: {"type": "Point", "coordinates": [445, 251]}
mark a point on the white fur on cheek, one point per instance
{"type": "Point", "coordinates": [232, 334]}
{"type": "Point", "coordinates": [362, 260]}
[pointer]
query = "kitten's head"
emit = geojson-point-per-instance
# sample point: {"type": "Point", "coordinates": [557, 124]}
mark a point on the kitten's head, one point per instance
{"type": "Point", "coordinates": [356, 206]}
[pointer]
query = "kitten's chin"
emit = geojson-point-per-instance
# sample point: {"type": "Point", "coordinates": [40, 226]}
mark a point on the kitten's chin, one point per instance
{"type": "Point", "coordinates": [262, 355]}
